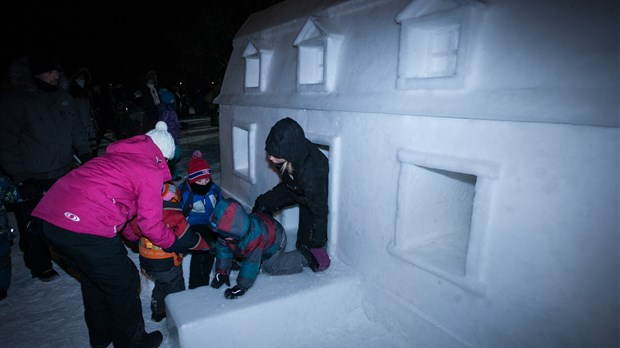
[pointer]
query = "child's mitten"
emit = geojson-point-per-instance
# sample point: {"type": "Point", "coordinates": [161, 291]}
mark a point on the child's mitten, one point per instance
{"type": "Point", "coordinates": [234, 292]}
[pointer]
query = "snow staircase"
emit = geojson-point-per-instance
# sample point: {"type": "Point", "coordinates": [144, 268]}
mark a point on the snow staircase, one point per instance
{"type": "Point", "coordinates": [301, 310]}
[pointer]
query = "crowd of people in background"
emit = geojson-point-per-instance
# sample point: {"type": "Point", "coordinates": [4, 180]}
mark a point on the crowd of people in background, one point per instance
{"type": "Point", "coordinates": [91, 206]}
{"type": "Point", "coordinates": [53, 125]}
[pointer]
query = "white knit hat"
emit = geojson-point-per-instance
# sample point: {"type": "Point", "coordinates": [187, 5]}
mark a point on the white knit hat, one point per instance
{"type": "Point", "coordinates": [162, 139]}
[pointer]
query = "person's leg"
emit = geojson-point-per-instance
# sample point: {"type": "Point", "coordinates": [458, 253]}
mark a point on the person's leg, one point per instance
{"type": "Point", "coordinates": [37, 257]}
{"type": "Point", "coordinates": [200, 267]}
{"type": "Point", "coordinates": [311, 243]}
{"type": "Point", "coordinates": [98, 318]}
{"type": "Point", "coordinates": [166, 283]}
{"type": "Point", "coordinates": [119, 279]}
{"type": "Point", "coordinates": [5, 259]}
{"type": "Point", "coordinates": [305, 229]}
{"type": "Point", "coordinates": [105, 264]}
{"type": "Point", "coordinates": [96, 314]}
{"type": "Point", "coordinates": [201, 263]}
{"type": "Point", "coordinates": [157, 296]}
{"type": "Point", "coordinates": [282, 262]}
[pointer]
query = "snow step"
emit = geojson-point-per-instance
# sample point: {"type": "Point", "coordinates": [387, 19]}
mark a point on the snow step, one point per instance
{"type": "Point", "coordinates": [275, 312]}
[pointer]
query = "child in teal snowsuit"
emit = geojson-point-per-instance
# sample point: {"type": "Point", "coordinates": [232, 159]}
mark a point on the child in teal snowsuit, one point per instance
{"type": "Point", "coordinates": [256, 239]}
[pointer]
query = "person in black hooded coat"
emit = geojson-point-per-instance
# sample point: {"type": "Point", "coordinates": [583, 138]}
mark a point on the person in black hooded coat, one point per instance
{"type": "Point", "coordinates": [303, 171]}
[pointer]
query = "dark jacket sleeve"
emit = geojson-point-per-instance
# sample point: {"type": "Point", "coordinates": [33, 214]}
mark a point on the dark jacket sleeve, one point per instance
{"type": "Point", "coordinates": [274, 200]}
{"type": "Point", "coordinates": [249, 269]}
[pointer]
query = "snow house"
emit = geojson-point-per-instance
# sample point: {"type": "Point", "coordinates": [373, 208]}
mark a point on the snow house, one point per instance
{"type": "Point", "coordinates": [474, 174]}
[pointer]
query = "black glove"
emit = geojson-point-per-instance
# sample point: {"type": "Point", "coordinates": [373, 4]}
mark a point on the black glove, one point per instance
{"type": "Point", "coordinates": [234, 292]}
{"type": "Point", "coordinates": [180, 246]}
{"type": "Point", "coordinates": [188, 241]}
{"type": "Point", "coordinates": [262, 209]}
{"type": "Point", "coordinates": [219, 280]}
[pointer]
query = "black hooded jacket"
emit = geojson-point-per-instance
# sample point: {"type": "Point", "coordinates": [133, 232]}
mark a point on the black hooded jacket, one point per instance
{"type": "Point", "coordinates": [307, 186]}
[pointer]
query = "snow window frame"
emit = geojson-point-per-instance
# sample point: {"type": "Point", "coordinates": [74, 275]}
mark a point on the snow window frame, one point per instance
{"type": "Point", "coordinates": [442, 215]}
{"type": "Point", "coordinates": [434, 44]}
{"type": "Point", "coordinates": [317, 56]}
{"type": "Point", "coordinates": [243, 151]}
{"type": "Point", "coordinates": [257, 61]}
{"type": "Point", "coordinates": [330, 146]}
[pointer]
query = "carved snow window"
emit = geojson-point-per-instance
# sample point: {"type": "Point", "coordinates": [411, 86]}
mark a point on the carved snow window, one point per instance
{"type": "Point", "coordinates": [256, 67]}
{"type": "Point", "coordinates": [243, 135]}
{"type": "Point", "coordinates": [441, 218]}
{"type": "Point", "coordinates": [289, 216]}
{"type": "Point", "coordinates": [317, 56]}
{"type": "Point", "coordinates": [433, 43]}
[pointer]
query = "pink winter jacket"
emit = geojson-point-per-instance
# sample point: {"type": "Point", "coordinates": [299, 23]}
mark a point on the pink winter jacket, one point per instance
{"type": "Point", "coordinates": [99, 197]}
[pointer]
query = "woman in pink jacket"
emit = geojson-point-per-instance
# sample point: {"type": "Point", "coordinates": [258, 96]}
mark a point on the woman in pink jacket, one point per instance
{"type": "Point", "coordinates": [85, 211]}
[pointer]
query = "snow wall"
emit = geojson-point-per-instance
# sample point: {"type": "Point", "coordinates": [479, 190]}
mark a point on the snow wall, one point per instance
{"type": "Point", "coordinates": [474, 157]}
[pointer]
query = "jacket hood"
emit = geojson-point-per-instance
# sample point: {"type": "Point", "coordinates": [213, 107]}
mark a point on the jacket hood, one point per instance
{"type": "Point", "coordinates": [139, 145]}
{"type": "Point", "coordinates": [229, 219]}
{"type": "Point", "coordinates": [287, 140]}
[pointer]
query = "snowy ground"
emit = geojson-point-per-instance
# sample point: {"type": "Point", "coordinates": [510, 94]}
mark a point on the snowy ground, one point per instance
{"type": "Point", "coordinates": [37, 314]}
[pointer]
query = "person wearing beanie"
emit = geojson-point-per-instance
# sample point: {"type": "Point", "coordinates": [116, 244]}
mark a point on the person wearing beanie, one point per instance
{"type": "Point", "coordinates": [257, 239]}
{"type": "Point", "coordinates": [163, 139]}
{"type": "Point", "coordinates": [165, 268]}
{"type": "Point", "coordinates": [303, 171]}
{"type": "Point", "coordinates": [39, 137]}
{"type": "Point", "coordinates": [200, 195]}
{"type": "Point", "coordinates": [168, 114]}
{"type": "Point", "coordinates": [87, 212]}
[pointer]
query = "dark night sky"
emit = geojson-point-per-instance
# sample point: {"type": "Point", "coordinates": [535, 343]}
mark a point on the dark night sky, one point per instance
{"type": "Point", "coordinates": [120, 42]}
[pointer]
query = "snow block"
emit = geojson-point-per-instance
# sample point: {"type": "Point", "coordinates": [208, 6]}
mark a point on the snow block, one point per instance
{"type": "Point", "coordinates": [302, 310]}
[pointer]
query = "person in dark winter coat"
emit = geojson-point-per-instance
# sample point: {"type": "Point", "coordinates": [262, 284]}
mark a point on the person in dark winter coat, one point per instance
{"type": "Point", "coordinates": [84, 213]}
{"type": "Point", "coordinates": [150, 99]}
{"type": "Point", "coordinates": [168, 114]}
{"type": "Point", "coordinates": [79, 88]}
{"type": "Point", "coordinates": [257, 239]}
{"type": "Point", "coordinates": [200, 195]}
{"type": "Point", "coordinates": [303, 170]}
{"type": "Point", "coordinates": [39, 134]}
{"type": "Point", "coordinates": [165, 268]}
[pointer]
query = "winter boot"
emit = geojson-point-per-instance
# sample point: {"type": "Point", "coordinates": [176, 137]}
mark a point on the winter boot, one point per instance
{"type": "Point", "coordinates": [152, 339]}
{"type": "Point", "coordinates": [48, 275]}
{"type": "Point", "coordinates": [322, 259]}
{"type": "Point", "coordinates": [317, 258]}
